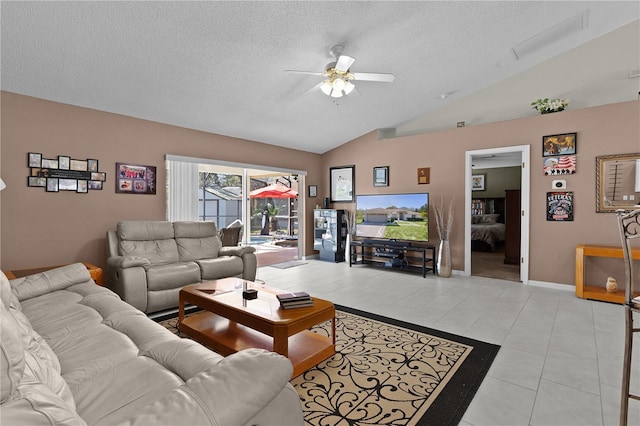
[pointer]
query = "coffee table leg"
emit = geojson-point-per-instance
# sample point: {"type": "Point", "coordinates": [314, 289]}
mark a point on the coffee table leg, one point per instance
{"type": "Point", "coordinates": [333, 330]}
{"type": "Point", "coordinates": [281, 342]}
{"type": "Point", "coordinates": [180, 310]}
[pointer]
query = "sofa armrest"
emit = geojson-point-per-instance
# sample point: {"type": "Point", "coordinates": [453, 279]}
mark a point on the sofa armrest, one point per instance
{"type": "Point", "coordinates": [124, 262]}
{"type": "Point", "coordinates": [127, 276]}
{"type": "Point", "coordinates": [236, 250]}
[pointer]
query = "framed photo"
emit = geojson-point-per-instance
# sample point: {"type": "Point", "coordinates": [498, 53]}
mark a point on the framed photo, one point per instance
{"type": "Point", "coordinates": [92, 165]}
{"type": "Point", "coordinates": [556, 166]}
{"type": "Point", "coordinates": [49, 163]}
{"type": "Point", "coordinates": [135, 179]}
{"type": "Point", "coordinates": [67, 185]}
{"type": "Point", "coordinates": [313, 190]}
{"type": "Point", "coordinates": [342, 183]}
{"type": "Point", "coordinates": [64, 162]}
{"type": "Point", "coordinates": [37, 181]}
{"type": "Point", "coordinates": [52, 184]}
{"type": "Point", "coordinates": [478, 182]}
{"type": "Point", "coordinates": [381, 176]}
{"type": "Point", "coordinates": [35, 159]}
{"type": "Point", "coordinates": [83, 186]}
{"type": "Point", "coordinates": [79, 165]}
{"type": "Point", "coordinates": [423, 175]}
{"type": "Point", "coordinates": [94, 184]}
{"type": "Point", "coordinates": [562, 144]}
{"type": "Point", "coordinates": [560, 206]}
{"type": "Point", "coordinates": [99, 176]}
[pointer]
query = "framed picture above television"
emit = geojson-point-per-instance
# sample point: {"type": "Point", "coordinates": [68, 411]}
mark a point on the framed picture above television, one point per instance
{"type": "Point", "coordinates": [342, 183]}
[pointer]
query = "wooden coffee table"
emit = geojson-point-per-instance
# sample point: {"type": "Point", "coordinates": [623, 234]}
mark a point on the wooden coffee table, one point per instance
{"type": "Point", "coordinates": [230, 323]}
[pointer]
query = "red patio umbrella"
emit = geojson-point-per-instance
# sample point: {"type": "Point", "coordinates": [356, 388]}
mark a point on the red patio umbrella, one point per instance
{"type": "Point", "coordinates": [274, 191]}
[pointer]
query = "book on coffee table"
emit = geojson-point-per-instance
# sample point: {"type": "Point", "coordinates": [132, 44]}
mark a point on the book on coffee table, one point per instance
{"type": "Point", "coordinates": [298, 299]}
{"type": "Point", "coordinates": [298, 304]}
{"type": "Point", "coordinates": [293, 297]}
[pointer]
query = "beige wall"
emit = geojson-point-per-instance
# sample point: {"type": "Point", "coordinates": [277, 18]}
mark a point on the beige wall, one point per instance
{"type": "Point", "coordinates": [497, 180]}
{"type": "Point", "coordinates": [609, 129]}
{"type": "Point", "coordinates": [40, 228]}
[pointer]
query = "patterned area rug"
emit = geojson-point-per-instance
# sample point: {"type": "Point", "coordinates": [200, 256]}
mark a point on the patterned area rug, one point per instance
{"type": "Point", "coordinates": [388, 372]}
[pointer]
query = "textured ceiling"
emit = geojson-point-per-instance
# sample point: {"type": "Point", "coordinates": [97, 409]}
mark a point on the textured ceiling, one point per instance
{"type": "Point", "coordinates": [219, 66]}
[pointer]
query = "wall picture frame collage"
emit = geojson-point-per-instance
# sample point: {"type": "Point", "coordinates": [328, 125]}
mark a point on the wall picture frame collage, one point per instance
{"type": "Point", "coordinates": [64, 173]}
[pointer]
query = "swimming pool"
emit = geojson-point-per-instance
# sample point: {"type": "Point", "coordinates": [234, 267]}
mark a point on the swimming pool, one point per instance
{"type": "Point", "coordinates": [260, 239]}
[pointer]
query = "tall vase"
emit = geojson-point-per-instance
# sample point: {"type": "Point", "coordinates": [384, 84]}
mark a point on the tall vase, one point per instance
{"type": "Point", "coordinates": [347, 247]}
{"type": "Point", "coordinates": [444, 259]}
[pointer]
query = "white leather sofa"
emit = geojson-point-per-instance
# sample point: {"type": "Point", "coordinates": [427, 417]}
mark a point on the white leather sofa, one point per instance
{"type": "Point", "coordinates": [72, 353]}
{"type": "Point", "coordinates": [148, 262]}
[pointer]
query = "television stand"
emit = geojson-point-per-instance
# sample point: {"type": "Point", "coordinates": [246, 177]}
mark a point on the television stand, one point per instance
{"type": "Point", "coordinates": [399, 255]}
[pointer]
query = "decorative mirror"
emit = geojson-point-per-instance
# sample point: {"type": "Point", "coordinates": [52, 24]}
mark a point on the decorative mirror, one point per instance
{"type": "Point", "coordinates": [617, 182]}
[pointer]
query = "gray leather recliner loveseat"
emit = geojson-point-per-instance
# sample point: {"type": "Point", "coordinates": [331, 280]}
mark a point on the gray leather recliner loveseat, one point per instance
{"type": "Point", "coordinates": [148, 262]}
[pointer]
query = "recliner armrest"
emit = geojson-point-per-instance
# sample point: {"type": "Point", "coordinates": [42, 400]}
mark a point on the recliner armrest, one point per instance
{"type": "Point", "coordinates": [124, 262]}
{"type": "Point", "coordinates": [236, 251]}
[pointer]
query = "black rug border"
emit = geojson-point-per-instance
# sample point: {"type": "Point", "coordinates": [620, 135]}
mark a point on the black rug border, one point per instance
{"type": "Point", "coordinates": [452, 402]}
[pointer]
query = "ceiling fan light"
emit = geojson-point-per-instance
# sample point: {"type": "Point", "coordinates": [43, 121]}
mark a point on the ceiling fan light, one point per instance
{"type": "Point", "coordinates": [338, 84]}
{"type": "Point", "coordinates": [336, 93]}
{"type": "Point", "coordinates": [326, 87]}
{"type": "Point", "coordinates": [348, 87]}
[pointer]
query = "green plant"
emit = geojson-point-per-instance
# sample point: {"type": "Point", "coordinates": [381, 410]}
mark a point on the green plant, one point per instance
{"type": "Point", "coordinates": [547, 105]}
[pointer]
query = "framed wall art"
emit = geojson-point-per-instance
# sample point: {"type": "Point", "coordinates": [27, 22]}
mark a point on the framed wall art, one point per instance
{"type": "Point", "coordinates": [563, 165]}
{"type": "Point", "coordinates": [478, 182]}
{"type": "Point", "coordinates": [423, 175]}
{"type": "Point", "coordinates": [560, 206]}
{"type": "Point", "coordinates": [562, 144]}
{"type": "Point", "coordinates": [342, 183]}
{"type": "Point", "coordinates": [381, 176]}
{"type": "Point", "coordinates": [313, 191]}
{"type": "Point", "coordinates": [135, 179]}
{"type": "Point", "coordinates": [63, 173]}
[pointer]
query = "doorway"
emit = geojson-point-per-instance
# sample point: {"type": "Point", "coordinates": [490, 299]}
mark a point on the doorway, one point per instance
{"type": "Point", "coordinates": [497, 212]}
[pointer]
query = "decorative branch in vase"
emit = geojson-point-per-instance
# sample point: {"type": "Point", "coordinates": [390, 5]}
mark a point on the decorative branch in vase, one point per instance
{"type": "Point", "coordinates": [350, 217]}
{"type": "Point", "coordinates": [444, 222]}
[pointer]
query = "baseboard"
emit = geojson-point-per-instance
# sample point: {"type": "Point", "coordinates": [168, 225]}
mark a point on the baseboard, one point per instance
{"type": "Point", "coordinates": [554, 286]}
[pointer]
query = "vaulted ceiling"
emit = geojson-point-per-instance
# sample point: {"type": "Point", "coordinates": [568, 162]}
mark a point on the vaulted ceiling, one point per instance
{"type": "Point", "coordinates": [220, 66]}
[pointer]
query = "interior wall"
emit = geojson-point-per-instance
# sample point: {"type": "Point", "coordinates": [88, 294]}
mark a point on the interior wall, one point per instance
{"type": "Point", "coordinates": [603, 130]}
{"type": "Point", "coordinates": [42, 228]}
{"type": "Point", "coordinates": [497, 180]}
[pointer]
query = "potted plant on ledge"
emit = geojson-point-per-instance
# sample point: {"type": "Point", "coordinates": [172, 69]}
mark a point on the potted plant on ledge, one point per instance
{"type": "Point", "coordinates": [546, 105]}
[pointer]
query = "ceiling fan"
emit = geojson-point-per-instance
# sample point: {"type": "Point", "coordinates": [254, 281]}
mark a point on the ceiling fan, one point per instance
{"type": "Point", "coordinates": [338, 75]}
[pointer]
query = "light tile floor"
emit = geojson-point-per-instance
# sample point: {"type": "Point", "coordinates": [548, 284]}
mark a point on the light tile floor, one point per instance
{"type": "Point", "coordinates": [560, 361]}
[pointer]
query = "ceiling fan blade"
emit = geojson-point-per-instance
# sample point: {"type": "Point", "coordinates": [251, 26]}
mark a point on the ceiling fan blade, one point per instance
{"type": "Point", "coordinates": [370, 76]}
{"type": "Point", "coordinates": [344, 62]}
{"type": "Point", "coordinates": [304, 72]}
{"type": "Point", "coordinates": [312, 89]}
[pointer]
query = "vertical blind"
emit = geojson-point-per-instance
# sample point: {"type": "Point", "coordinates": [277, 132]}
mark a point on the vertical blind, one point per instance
{"type": "Point", "coordinates": [182, 190]}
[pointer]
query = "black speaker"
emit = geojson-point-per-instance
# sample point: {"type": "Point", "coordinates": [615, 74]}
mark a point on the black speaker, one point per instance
{"type": "Point", "coordinates": [325, 203]}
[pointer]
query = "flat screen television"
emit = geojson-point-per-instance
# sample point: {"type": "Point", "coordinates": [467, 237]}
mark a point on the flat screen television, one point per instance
{"type": "Point", "coordinates": [403, 217]}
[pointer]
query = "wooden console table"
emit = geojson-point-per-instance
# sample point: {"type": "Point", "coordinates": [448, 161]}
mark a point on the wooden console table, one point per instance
{"type": "Point", "coordinates": [394, 255]}
{"type": "Point", "coordinates": [94, 271]}
{"type": "Point", "coordinates": [585, 291]}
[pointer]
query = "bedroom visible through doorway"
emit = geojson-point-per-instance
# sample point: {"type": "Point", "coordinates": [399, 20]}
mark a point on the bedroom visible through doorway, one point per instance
{"type": "Point", "coordinates": [495, 218]}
